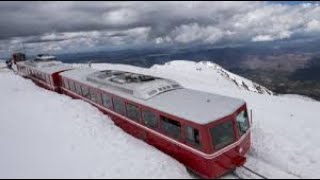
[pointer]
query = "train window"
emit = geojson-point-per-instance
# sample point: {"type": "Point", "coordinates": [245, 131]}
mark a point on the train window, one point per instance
{"type": "Point", "coordinates": [133, 112]}
{"type": "Point", "coordinates": [48, 79]}
{"type": "Point", "coordinates": [71, 85]}
{"type": "Point", "coordinates": [85, 92]}
{"type": "Point", "coordinates": [99, 98]}
{"type": "Point", "coordinates": [45, 78]}
{"type": "Point", "coordinates": [66, 85]}
{"type": "Point", "coordinates": [107, 101]}
{"type": "Point", "coordinates": [223, 135]}
{"type": "Point", "coordinates": [119, 106]}
{"type": "Point", "coordinates": [94, 96]}
{"type": "Point", "coordinates": [170, 127]}
{"type": "Point", "coordinates": [150, 119]}
{"type": "Point", "coordinates": [193, 136]}
{"type": "Point", "coordinates": [243, 122]}
{"type": "Point", "coordinates": [78, 88]}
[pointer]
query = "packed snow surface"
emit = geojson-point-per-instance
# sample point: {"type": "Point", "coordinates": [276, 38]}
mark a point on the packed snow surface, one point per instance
{"type": "Point", "coordinates": [44, 134]}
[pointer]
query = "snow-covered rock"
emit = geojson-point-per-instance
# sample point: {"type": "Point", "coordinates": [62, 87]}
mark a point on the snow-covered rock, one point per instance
{"type": "Point", "coordinates": [215, 70]}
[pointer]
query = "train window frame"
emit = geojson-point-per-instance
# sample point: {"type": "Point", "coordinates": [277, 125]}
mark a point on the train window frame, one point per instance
{"type": "Point", "coordinates": [43, 77]}
{"type": "Point", "coordinates": [107, 100]}
{"type": "Point", "coordinates": [66, 84]}
{"type": "Point", "coordinates": [48, 79]}
{"type": "Point", "coordinates": [85, 92]}
{"type": "Point", "coordinates": [171, 124]}
{"type": "Point", "coordinates": [39, 76]}
{"type": "Point", "coordinates": [93, 95]}
{"type": "Point", "coordinates": [137, 109]}
{"type": "Point", "coordinates": [193, 140]}
{"type": "Point", "coordinates": [243, 123]}
{"type": "Point", "coordinates": [151, 125]}
{"type": "Point", "coordinates": [78, 88]}
{"type": "Point", "coordinates": [116, 102]}
{"type": "Point", "coordinates": [215, 141]}
{"type": "Point", "coordinates": [72, 86]}
{"type": "Point", "coordinates": [99, 97]}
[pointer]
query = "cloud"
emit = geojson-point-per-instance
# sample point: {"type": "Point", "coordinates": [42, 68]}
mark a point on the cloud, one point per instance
{"type": "Point", "coordinates": [313, 25]}
{"type": "Point", "coordinates": [53, 42]}
{"type": "Point", "coordinates": [190, 33]}
{"type": "Point", "coordinates": [272, 37]}
{"type": "Point", "coordinates": [120, 17]}
{"type": "Point", "coordinates": [63, 24]}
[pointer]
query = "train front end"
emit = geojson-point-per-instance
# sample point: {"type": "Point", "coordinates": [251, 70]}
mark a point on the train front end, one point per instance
{"type": "Point", "coordinates": [230, 138]}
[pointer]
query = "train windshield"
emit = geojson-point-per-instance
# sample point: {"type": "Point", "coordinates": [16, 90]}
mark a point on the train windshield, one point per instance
{"type": "Point", "coordinates": [243, 122]}
{"type": "Point", "coordinates": [223, 135]}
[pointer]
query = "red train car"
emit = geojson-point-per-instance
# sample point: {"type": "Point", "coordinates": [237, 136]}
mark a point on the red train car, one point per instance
{"type": "Point", "coordinates": [44, 71]}
{"type": "Point", "coordinates": [208, 133]}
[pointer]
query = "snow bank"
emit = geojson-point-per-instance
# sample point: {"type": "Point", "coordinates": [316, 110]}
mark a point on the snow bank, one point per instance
{"type": "Point", "coordinates": [2, 64]}
{"type": "Point", "coordinates": [297, 96]}
{"type": "Point", "coordinates": [47, 135]}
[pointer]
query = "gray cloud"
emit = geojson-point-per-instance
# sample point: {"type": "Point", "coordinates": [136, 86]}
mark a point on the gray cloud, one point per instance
{"type": "Point", "coordinates": [61, 25]}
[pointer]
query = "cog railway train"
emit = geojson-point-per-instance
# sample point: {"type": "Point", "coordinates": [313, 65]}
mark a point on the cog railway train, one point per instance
{"type": "Point", "coordinates": [208, 133]}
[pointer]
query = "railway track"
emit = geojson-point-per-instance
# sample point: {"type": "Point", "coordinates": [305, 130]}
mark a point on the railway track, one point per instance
{"type": "Point", "coordinates": [249, 174]}
{"type": "Point", "coordinates": [253, 174]}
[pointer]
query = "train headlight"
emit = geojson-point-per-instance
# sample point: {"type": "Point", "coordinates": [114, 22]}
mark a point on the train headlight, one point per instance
{"type": "Point", "coordinates": [241, 150]}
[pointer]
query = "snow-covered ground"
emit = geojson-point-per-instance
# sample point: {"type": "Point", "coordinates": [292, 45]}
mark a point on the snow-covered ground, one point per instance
{"type": "Point", "coordinates": [43, 137]}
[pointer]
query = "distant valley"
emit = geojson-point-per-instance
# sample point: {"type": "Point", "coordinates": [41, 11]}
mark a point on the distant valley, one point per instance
{"type": "Point", "coordinates": [291, 67]}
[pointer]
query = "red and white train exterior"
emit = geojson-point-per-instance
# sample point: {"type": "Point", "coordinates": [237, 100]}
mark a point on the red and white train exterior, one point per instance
{"type": "Point", "coordinates": [208, 133]}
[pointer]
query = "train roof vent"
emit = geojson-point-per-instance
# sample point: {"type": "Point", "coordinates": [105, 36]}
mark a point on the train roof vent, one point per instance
{"type": "Point", "coordinates": [139, 85]}
{"type": "Point", "coordinates": [45, 57]}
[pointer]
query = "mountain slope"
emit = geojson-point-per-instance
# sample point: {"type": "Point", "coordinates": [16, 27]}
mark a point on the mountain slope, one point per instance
{"type": "Point", "coordinates": [215, 70]}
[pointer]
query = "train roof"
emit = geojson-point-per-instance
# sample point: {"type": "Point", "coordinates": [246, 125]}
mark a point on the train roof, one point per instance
{"type": "Point", "coordinates": [138, 85]}
{"type": "Point", "coordinates": [48, 67]}
{"type": "Point", "coordinates": [192, 105]}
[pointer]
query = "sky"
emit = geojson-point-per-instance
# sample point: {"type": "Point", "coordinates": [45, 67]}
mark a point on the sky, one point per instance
{"type": "Point", "coordinates": [58, 27]}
